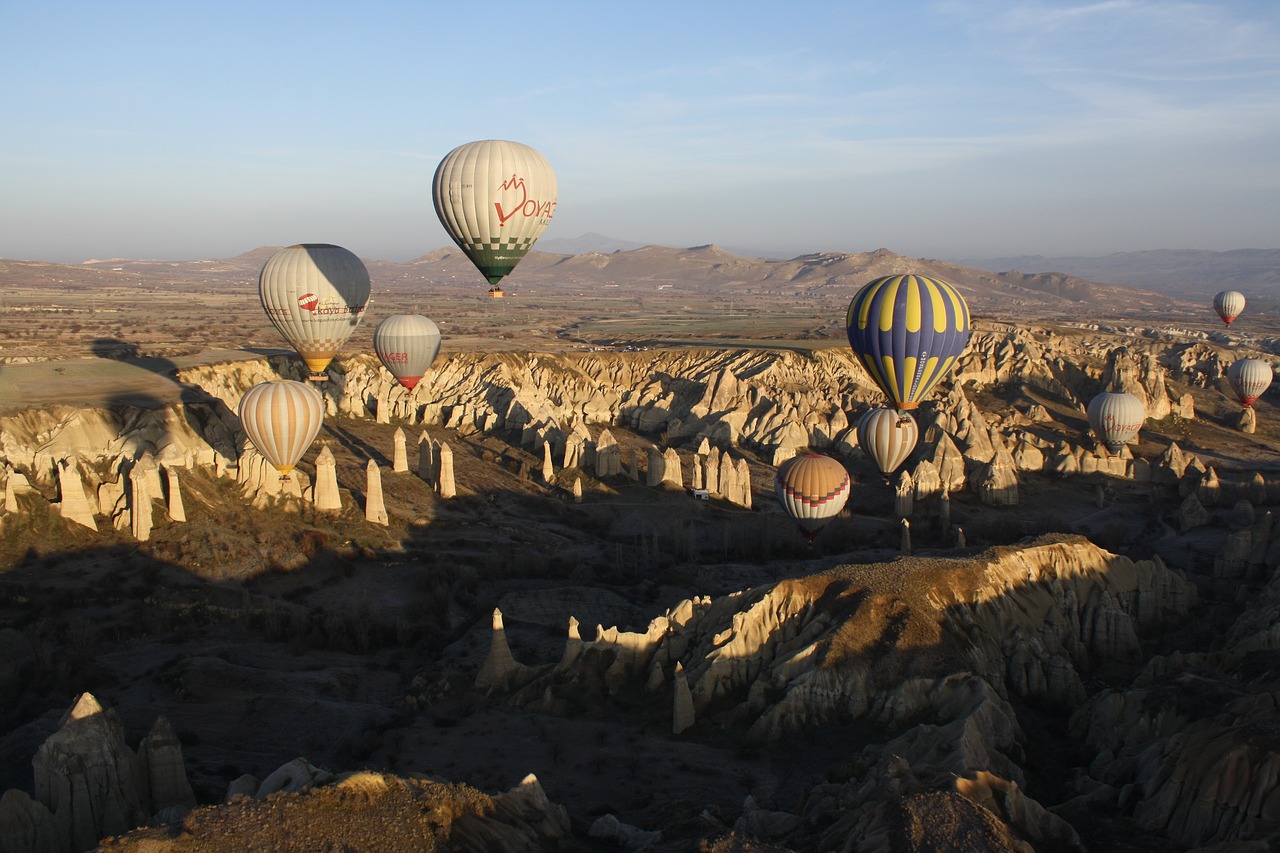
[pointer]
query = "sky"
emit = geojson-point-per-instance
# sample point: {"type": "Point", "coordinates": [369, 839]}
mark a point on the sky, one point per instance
{"type": "Point", "coordinates": [947, 129]}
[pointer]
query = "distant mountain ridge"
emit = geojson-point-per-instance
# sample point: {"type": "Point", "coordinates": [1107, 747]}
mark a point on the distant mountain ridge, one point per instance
{"type": "Point", "coordinates": [1186, 273]}
{"type": "Point", "coordinates": [712, 272]}
{"type": "Point", "coordinates": [589, 242]}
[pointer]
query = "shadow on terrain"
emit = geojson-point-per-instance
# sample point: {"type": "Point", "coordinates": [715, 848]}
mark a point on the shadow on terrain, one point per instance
{"type": "Point", "coordinates": [317, 659]}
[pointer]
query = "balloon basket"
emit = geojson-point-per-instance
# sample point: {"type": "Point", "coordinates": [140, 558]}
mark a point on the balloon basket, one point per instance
{"type": "Point", "coordinates": [318, 377]}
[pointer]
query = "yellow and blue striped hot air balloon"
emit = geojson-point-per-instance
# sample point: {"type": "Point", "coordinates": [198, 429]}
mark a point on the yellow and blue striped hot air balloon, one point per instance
{"type": "Point", "coordinates": [908, 331]}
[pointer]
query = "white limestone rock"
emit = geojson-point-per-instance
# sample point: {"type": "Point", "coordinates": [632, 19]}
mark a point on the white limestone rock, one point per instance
{"type": "Point", "coordinates": [375, 510]}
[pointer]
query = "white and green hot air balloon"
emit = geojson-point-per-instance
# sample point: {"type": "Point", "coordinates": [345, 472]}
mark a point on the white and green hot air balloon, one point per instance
{"type": "Point", "coordinates": [495, 198]}
{"type": "Point", "coordinates": [406, 345]}
{"type": "Point", "coordinates": [315, 294]}
{"type": "Point", "coordinates": [282, 418]}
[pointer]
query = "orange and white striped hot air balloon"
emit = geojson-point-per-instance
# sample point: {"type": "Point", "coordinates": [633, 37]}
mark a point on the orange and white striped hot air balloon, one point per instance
{"type": "Point", "coordinates": [812, 488]}
{"type": "Point", "coordinates": [282, 418]}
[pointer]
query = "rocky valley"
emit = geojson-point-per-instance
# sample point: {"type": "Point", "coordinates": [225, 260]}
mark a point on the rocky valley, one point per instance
{"type": "Point", "coordinates": [496, 613]}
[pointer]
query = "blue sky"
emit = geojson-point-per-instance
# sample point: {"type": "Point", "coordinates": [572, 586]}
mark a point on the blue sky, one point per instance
{"type": "Point", "coordinates": [948, 129]}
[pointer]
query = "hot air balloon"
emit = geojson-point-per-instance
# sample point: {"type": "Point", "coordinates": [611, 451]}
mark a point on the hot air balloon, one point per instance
{"type": "Point", "coordinates": [812, 488]}
{"type": "Point", "coordinates": [406, 344]}
{"type": "Point", "coordinates": [315, 294]}
{"type": "Point", "coordinates": [1249, 377]}
{"type": "Point", "coordinates": [1228, 304]}
{"type": "Point", "coordinates": [282, 418]}
{"type": "Point", "coordinates": [907, 331]}
{"type": "Point", "coordinates": [888, 437]}
{"type": "Point", "coordinates": [1116, 418]}
{"type": "Point", "coordinates": [495, 198]}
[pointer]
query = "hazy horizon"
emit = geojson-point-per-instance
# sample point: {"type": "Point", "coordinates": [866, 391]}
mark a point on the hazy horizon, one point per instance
{"type": "Point", "coordinates": [949, 129]}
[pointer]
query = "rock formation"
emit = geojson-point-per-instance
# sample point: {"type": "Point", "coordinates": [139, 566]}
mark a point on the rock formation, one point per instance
{"type": "Point", "coordinates": [500, 670]}
{"type": "Point", "coordinates": [608, 456]}
{"type": "Point", "coordinates": [73, 504]}
{"type": "Point", "coordinates": [318, 810]}
{"type": "Point", "coordinates": [682, 712]}
{"type": "Point", "coordinates": [998, 485]}
{"type": "Point", "coordinates": [162, 772]}
{"type": "Point", "coordinates": [904, 495]}
{"type": "Point", "coordinates": [140, 510]}
{"type": "Point", "coordinates": [1187, 747]}
{"type": "Point", "coordinates": [327, 498]}
{"type": "Point", "coordinates": [15, 484]}
{"type": "Point", "coordinates": [711, 473]}
{"type": "Point", "coordinates": [173, 496]}
{"type": "Point", "coordinates": [1248, 423]}
{"type": "Point", "coordinates": [89, 784]}
{"type": "Point", "coordinates": [1069, 600]}
{"type": "Point", "coordinates": [375, 511]}
{"type": "Point", "coordinates": [26, 825]}
{"type": "Point", "coordinates": [1191, 514]}
{"type": "Point", "coordinates": [444, 483]}
{"type": "Point", "coordinates": [400, 456]}
{"type": "Point", "coordinates": [671, 469]}
{"type": "Point", "coordinates": [548, 468]}
{"type": "Point", "coordinates": [426, 460]}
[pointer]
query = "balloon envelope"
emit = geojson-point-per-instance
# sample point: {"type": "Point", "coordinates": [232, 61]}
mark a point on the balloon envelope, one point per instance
{"type": "Point", "coordinates": [1228, 304]}
{"type": "Point", "coordinates": [282, 418]}
{"type": "Point", "coordinates": [495, 198]}
{"type": "Point", "coordinates": [908, 331]}
{"type": "Point", "coordinates": [812, 488]}
{"type": "Point", "coordinates": [1116, 418]}
{"type": "Point", "coordinates": [315, 294]}
{"type": "Point", "coordinates": [888, 437]}
{"type": "Point", "coordinates": [1249, 378]}
{"type": "Point", "coordinates": [406, 345]}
